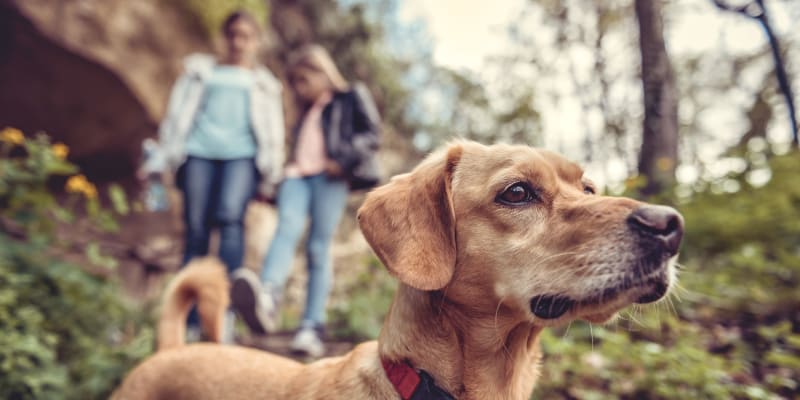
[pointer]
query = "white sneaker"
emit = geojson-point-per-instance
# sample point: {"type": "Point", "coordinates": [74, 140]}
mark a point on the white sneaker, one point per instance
{"type": "Point", "coordinates": [193, 334]}
{"type": "Point", "coordinates": [257, 307]}
{"type": "Point", "coordinates": [228, 325]}
{"type": "Point", "coordinates": [307, 341]}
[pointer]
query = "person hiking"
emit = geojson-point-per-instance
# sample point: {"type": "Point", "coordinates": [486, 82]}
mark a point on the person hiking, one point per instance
{"type": "Point", "coordinates": [333, 148]}
{"type": "Point", "coordinates": [224, 133]}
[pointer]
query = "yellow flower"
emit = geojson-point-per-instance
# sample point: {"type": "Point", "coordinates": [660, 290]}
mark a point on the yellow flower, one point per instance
{"type": "Point", "coordinates": [76, 184]}
{"type": "Point", "coordinates": [90, 191]}
{"type": "Point", "coordinates": [79, 184]}
{"type": "Point", "coordinates": [60, 150]}
{"type": "Point", "coordinates": [12, 135]}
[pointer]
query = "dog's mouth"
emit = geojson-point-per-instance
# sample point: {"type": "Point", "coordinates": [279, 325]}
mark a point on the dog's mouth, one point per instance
{"type": "Point", "coordinates": [551, 307]}
{"type": "Point", "coordinates": [607, 301]}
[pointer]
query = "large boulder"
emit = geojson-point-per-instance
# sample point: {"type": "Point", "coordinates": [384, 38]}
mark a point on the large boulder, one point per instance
{"type": "Point", "coordinates": [94, 74]}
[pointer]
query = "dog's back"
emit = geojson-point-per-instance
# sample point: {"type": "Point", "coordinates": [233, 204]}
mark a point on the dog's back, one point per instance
{"type": "Point", "coordinates": [203, 282]}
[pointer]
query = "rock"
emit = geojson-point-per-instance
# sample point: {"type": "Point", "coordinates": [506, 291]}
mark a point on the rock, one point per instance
{"type": "Point", "coordinates": [94, 74]}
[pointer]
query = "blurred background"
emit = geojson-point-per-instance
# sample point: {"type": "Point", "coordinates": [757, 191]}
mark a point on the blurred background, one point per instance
{"type": "Point", "coordinates": [684, 102]}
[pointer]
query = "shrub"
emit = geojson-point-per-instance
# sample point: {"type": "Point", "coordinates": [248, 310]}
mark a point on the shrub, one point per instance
{"type": "Point", "coordinates": [659, 357]}
{"type": "Point", "coordinates": [747, 244]}
{"type": "Point", "coordinates": [66, 333]}
{"type": "Point", "coordinates": [360, 315]}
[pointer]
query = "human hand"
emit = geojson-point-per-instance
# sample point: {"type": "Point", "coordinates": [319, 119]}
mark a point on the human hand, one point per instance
{"type": "Point", "coordinates": [270, 200]}
{"type": "Point", "coordinates": [333, 169]}
{"type": "Point", "coordinates": [141, 174]}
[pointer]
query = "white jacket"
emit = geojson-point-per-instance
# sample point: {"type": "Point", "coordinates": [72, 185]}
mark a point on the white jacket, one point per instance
{"type": "Point", "coordinates": [266, 113]}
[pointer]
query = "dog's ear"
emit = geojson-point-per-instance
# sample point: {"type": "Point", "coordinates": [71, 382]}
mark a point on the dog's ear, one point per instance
{"type": "Point", "coordinates": [410, 223]}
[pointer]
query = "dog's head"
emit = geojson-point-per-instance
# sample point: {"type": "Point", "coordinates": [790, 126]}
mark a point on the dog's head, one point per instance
{"type": "Point", "coordinates": [523, 229]}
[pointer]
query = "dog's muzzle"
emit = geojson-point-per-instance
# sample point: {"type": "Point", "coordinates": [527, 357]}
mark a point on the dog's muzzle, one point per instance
{"type": "Point", "coordinates": [658, 231]}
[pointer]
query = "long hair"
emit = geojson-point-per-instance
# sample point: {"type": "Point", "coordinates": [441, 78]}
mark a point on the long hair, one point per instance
{"type": "Point", "coordinates": [315, 57]}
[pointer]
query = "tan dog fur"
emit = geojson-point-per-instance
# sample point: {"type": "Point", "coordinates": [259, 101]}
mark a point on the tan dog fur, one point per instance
{"type": "Point", "coordinates": [204, 281]}
{"type": "Point", "coordinates": [468, 268]}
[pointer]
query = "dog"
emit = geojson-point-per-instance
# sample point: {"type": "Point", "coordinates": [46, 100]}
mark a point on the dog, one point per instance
{"type": "Point", "coordinates": [491, 245]}
{"type": "Point", "coordinates": [204, 281]}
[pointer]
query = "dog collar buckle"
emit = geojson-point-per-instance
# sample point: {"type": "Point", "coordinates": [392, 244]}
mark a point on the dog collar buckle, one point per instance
{"type": "Point", "coordinates": [412, 384]}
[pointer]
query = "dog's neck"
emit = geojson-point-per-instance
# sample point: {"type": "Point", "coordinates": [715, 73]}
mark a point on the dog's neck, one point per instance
{"type": "Point", "coordinates": [471, 354]}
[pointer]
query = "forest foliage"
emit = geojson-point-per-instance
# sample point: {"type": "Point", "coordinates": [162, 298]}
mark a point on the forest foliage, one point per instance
{"type": "Point", "coordinates": [66, 331]}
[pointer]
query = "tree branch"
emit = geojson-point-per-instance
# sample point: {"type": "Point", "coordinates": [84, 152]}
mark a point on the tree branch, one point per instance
{"type": "Point", "coordinates": [758, 11]}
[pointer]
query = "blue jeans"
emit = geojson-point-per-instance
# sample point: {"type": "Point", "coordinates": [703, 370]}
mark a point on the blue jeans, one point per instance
{"type": "Point", "coordinates": [324, 200]}
{"type": "Point", "coordinates": [215, 194]}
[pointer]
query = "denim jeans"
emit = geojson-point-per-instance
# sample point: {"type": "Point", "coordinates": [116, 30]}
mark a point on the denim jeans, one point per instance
{"type": "Point", "coordinates": [215, 194]}
{"type": "Point", "coordinates": [324, 200]}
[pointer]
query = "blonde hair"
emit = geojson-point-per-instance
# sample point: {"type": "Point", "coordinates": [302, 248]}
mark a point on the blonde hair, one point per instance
{"type": "Point", "coordinates": [315, 57]}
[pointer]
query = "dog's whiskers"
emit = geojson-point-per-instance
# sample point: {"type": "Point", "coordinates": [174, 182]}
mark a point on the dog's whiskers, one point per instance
{"type": "Point", "coordinates": [506, 350]}
{"type": "Point", "coordinates": [441, 301]}
{"type": "Point", "coordinates": [632, 317]}
{"type": "Point", "coordinates": [678, 290]}
{"type": "Point", "coordinates": [566, 331]}
{"type": "Point", "coordinates": [670, 305]}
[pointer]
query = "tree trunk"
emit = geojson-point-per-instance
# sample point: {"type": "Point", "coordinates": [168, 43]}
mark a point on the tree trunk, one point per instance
{"type": "Point", "coordinates": [659, 152]}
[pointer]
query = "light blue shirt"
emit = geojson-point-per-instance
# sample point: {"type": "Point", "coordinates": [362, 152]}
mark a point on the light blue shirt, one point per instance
{"type": "Point", "coordinates": [222, 129]}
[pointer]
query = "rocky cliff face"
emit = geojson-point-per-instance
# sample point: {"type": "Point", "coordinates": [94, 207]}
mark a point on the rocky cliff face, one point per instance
{"type": "Point", "coordinates": [94, 74]}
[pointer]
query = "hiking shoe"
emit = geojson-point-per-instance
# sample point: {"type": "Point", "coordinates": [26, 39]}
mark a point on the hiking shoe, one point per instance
{"type": "Point", "coordinates": [307, 341]}
{"type": "Point", "coordinates": [256, 306]}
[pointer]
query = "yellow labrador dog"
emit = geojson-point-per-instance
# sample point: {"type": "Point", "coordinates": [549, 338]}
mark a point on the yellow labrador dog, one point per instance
{"type": "Point", "coordinates": [491, 244]}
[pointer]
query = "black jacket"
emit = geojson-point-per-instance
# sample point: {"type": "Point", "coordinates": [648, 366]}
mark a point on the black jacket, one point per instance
{"type": "Point", "coordinates": [351, 125]}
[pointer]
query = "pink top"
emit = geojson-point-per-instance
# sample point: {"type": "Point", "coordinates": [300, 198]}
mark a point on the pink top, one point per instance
{"type": "Point", "coordinates": [310, 156]}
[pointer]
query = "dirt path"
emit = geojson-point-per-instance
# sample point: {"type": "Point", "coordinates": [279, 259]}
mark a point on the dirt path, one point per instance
{"type": "Point", "coordinates": [278, 343]}
{"type": "Point", "coordinates": [148, 249]}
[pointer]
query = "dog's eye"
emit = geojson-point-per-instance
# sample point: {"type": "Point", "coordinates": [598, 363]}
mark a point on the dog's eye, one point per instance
{"type": "Point", "coordinates": [516, 194]}
{"type": "Point", "coordinates": [588, 190]}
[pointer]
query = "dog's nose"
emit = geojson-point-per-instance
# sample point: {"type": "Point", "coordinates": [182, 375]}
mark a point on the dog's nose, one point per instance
{"type": "Point", "coordinates": [659, 222]}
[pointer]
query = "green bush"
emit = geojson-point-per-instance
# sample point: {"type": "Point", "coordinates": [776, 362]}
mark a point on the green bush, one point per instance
{"type": "Point", "coordinates": [64, 330]}
{"type": "Point", "coordinates": [743, 270]}
{"type": "Point", "coordinates": [66, 333]}
{"type": "Point", "coordinates": [746, 245]}
{"type": "Point", "coordinates": [360, 316]}
{"type": "Point", "coordinates": [657, 357]}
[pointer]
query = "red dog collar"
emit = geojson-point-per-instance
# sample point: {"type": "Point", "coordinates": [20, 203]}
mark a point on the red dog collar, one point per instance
{"type": "Point", "coordinates": [411, 384]}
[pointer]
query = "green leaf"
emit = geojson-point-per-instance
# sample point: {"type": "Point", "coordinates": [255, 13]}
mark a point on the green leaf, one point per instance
{"type": "Point", "coordinates": [97, 258]}
{"type": "Point", "coordinates": [118, 199]}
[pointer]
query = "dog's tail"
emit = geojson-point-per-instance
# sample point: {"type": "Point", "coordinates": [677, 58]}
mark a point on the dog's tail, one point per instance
{"type": "Point", "coordinates": [203, 282]}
